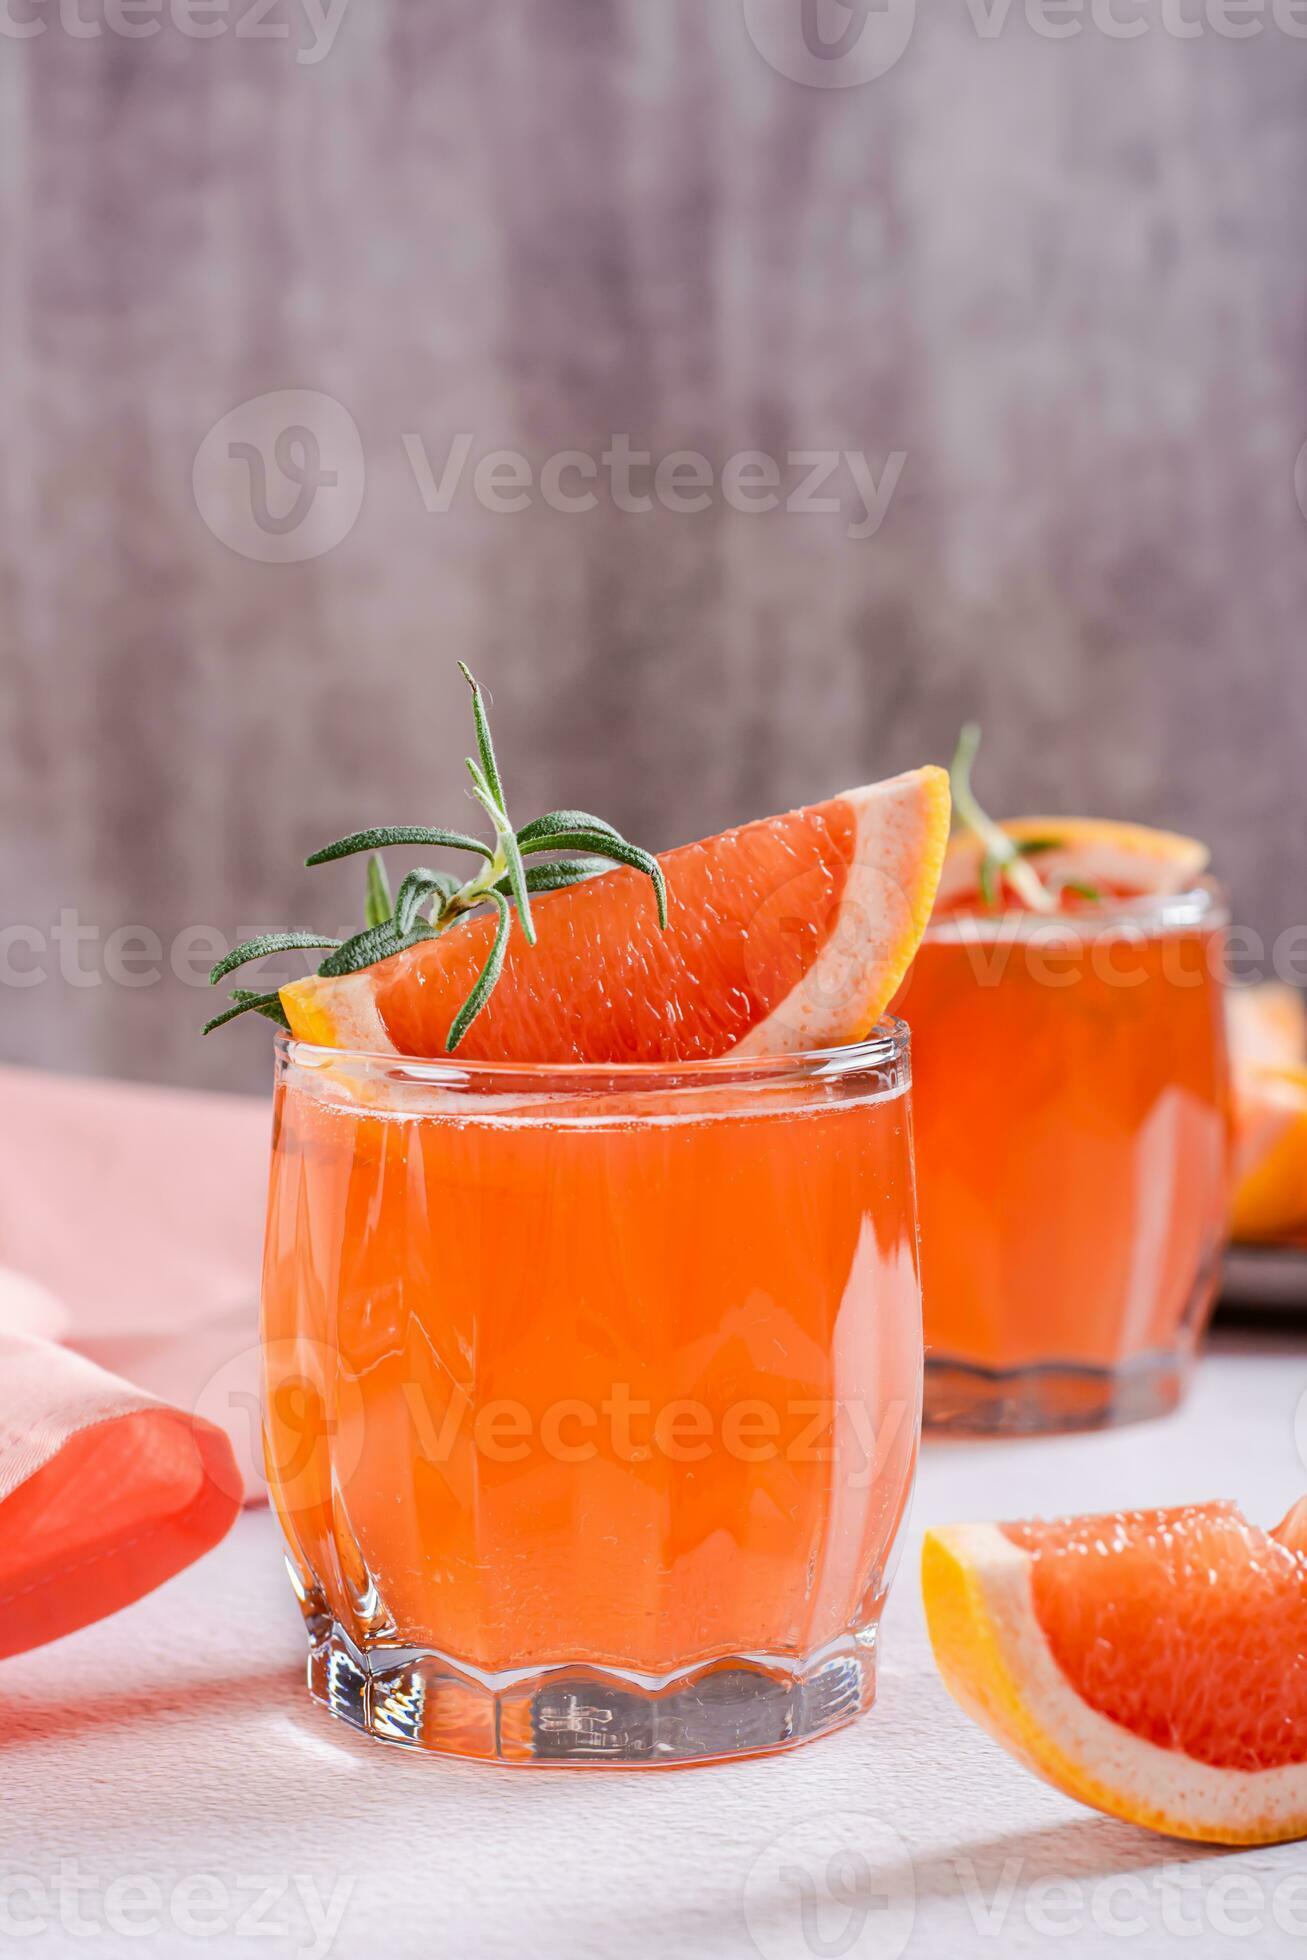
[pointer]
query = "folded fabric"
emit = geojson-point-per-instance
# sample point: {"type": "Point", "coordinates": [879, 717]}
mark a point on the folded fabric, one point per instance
{"type": "Point", "coordinates": [130, 1228]}
{"type": "Point", "coordinates": [104, 1492]}
{"type": "Point", "coordinates": [131, 1220]}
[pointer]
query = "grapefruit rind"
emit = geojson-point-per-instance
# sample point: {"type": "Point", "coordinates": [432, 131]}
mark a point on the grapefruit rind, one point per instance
{"type": "Point", "coordinates": [337, 1013]}
{"type": "Point", "coordinates": [996, 1662]}
{"type": "Point", "coordinates": [1091, 850]}
{"type": "Point", "coordinates": [901, 830]}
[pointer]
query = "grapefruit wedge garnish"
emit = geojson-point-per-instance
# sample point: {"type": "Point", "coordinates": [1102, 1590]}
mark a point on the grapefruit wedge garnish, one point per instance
{"type": "Point", "coordinates": [1152, 1664]}
{"type": "Point", "coordinates": [787, 934]}
{"type": "Point", "coordinates": [1079, 861]}
{"type": "Point", "coordinates": [790, 933]}
{"type": "Point", "coordinates": [1053, 864]}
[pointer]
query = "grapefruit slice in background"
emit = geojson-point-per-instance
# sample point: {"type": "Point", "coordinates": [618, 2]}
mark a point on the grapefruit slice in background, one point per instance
{"type": "Point", "coordinates": [786, 934]}
{"type": "Point", "coordinates": [1117, 860]}
{"type": "Point", "coordinates": [1268, 1025]}
{"type": "Point", "coordinates": [1268, 1049]}
{"type": "Point", "coordinates": [1269, 1204]}
{"type": "Point", "coordinates": [1152, 1664]}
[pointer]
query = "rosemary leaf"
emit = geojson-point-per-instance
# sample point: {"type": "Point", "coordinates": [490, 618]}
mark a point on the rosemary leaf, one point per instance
{"type": "Point", "coordinates": [520, 888]}
{"type": "Point", "coordinates": [268, 942]}
{"type": "Point", "coordinates": [557, 875]}
{"type": "Point", "coordinates": [380, 905]}
{"type": "Point", "coordinates": [619, 851]}
{"type": "Point", "coordinates": [484, 744]}
{"type": "Point", "coordinates": [486, 979]}
{"type": "Point", "coordinates": [562, 820]}
{"type": "Point", "coordinates": [268, 1005]}
{"type": "Point", "coordinates": [377, 840]}
{"type": "Point", "coordinates": [371, 947]}
{"type": "Point", "coordinates": [1081, 890]}
{"type": "Point", "coordinates": [989, 881]}
{"type": "Point", "coordinates": [506, 839]}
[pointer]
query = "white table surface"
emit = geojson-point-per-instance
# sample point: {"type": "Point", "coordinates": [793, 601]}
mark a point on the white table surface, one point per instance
{"type": "Point", "coordinates": [166, 1786]}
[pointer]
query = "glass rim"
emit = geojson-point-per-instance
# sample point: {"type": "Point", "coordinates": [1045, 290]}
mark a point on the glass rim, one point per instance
{"type": "Point", "coordinates": [889, 1044]}
{"type": "Point", "coordinates": [1204, 903]}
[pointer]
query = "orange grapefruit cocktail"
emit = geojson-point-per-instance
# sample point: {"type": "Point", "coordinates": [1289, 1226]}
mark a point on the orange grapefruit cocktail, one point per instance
{"type": "Point", "coordinates": [591, 1306]}
{"type": "Point", "coordinates": [1071, 1122]}
{"type": "Point", "coordinates": [614, 1386]}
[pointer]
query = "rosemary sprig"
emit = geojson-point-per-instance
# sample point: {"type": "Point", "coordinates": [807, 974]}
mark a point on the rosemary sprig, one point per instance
{"type": "Point", "coordinates": [573, 845]}
{"type": "Point", "coordinates": [1005, 857]}
{"type": "Point", "coordinates": [1002, 858]}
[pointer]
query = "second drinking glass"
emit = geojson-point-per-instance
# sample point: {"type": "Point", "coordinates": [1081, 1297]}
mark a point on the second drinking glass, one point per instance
{"type": "Point", "coordinates": [1071, 1125]}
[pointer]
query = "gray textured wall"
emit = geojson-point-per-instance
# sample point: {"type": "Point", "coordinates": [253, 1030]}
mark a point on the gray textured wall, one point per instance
{"type": "Point", "coordinates": [1067, 278]}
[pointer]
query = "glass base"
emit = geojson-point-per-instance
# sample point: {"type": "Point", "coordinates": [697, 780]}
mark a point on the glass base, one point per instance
{"type": "Point", "coordinates": [964, 1399]}
{"type": "Point", "coordinates": [573, 1715]}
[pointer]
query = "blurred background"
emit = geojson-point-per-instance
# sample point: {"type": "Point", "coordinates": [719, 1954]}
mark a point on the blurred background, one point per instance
{"type": "Point", "coordinates": [325, 328]}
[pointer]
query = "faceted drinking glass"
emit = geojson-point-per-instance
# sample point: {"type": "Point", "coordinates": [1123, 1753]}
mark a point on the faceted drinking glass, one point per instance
{"type": "Point", "coordinates": [592, 1395]}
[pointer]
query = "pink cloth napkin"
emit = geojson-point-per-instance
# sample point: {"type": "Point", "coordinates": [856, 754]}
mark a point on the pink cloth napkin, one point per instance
{"type": "Point", "coordinates": [130, 1226]}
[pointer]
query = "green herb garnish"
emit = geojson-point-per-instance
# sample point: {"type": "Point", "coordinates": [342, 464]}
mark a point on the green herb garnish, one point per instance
{"type": "Point", "coordinates": [1005, 857]}
{"type": "Point", "coordinates": [430, 903]}
{"type": "Point", "coordinates": [1002, 857]}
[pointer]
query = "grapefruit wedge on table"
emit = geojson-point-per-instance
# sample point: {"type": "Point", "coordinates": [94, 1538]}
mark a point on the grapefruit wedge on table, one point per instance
{"type": "Point", "coordinates": [790, 933]}
{"type": "Point", "coordinates": [1152, 1664]}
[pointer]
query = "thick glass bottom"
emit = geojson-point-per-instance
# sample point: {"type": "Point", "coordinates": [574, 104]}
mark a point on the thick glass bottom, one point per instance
{"type": "Point", "coordinates": [571, 1715]}
{"type": "Point", "coordinates": [1050, 1397]}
